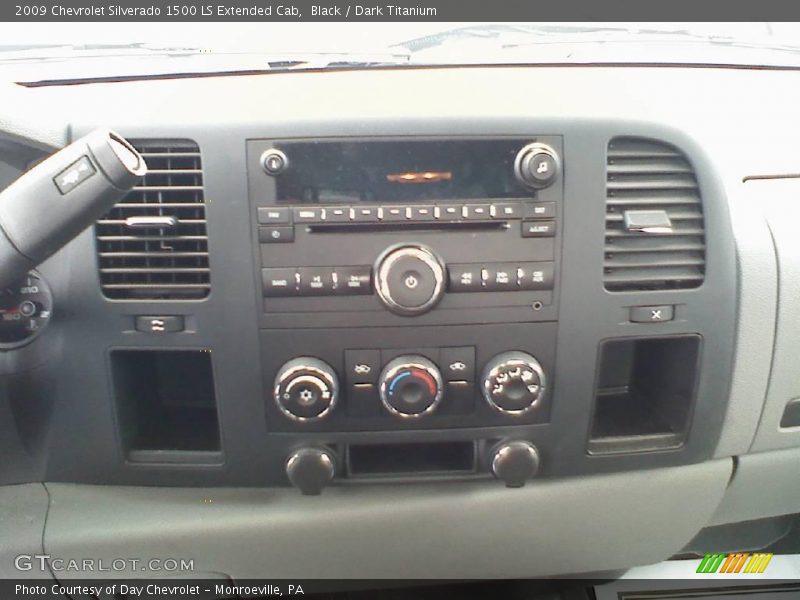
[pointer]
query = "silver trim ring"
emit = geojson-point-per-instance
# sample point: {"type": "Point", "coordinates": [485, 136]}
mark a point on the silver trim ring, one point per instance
{"type": "Point", "coordinates": [408, 362]}
{"type": "Point", "coordinates": [316, 369]}
{"type": "Point", "coordinates": [510, 360]}
{"type": "Point", "coordinates": [388, 260]}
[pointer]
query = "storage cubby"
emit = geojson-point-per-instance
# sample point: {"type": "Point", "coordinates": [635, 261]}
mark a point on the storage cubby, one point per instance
{"type": "Point", "coordinates": [644, 394]}
{"type": "Point", "coordinates": [166, 405]}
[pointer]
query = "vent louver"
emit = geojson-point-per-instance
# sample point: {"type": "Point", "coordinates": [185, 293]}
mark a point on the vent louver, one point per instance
{"type": "Point", "coordinates": [153, 244]}
{"type": "Point", "coordinates": [646, 178]}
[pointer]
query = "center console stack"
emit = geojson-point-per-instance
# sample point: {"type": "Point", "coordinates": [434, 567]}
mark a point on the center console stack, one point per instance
{"type": "Point", "coordinates": [410, 305]}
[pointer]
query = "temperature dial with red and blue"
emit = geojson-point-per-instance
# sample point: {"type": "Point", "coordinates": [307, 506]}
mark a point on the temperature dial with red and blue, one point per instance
{"type": "Point", "coordinates": [410, 386]}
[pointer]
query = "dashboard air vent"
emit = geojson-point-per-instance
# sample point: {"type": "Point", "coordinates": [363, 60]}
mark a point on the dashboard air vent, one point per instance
{"type": "Point", "coordinates": [654, 218]}
{"type": "Point", "coordinates": [153, 244]}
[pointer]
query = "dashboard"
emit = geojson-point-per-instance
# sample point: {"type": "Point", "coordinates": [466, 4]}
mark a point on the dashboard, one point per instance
{"type": "Point", "coordinates": [395, 299]}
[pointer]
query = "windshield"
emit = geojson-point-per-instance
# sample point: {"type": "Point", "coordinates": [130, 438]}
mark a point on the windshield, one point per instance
{"type": "Point", "coordinates": [85, 50]}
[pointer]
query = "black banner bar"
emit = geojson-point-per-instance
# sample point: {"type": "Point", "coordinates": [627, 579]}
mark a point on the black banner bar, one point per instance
{"type": "Point", "coordinates": [396, 10]}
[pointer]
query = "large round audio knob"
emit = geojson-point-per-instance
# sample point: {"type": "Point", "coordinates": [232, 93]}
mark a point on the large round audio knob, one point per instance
{"type": "Point", "coordinates": [536, 165]}
{"type": "Point", "coordinates": [410, 386]}
{"type": "Point", "coordinates": [310, 469]}
{"type": "Point", "coordinates": [409, 279]}
{"type": "Point", "coordinates": [513, 382]}
{"type": "Point", "coordinates": [306, 389]}
{"type": "Point", "coordinates": [515, 462]}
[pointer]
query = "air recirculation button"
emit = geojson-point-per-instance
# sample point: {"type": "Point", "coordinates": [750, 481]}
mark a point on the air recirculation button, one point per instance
{"type": "Point", "coordinates": [306, 389]}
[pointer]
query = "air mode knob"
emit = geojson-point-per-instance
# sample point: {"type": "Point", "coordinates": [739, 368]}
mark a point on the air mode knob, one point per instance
{"type": "Point", "coordinates": [513, 382]}
{"type": "Point", "coordinates": [410, 279]}
{"type": "Point", "coordinates": [410, 386]}
{"type": "Point", "coordinates": [536, 165]}
{"type": "Point", "coordinates": [306, 389]}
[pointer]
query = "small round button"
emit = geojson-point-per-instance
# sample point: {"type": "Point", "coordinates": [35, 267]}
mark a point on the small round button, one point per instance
{"type": "Point", "coordinates": [274, 161]}
{"type": "Point", "coordinates": [537, 165]}
{"type": "Point", "coordinates": [410, 386]}
{"type": "Point", "coordinates": [409, 279]}
{"type": "Point", "coordinates": [310, 469]}
{"type": "Point", "coordinates": [515, 462]}
{"type": "Point", "coordinates": [306, 389]}
{"type": "Point", "coordinates": [513, 382]}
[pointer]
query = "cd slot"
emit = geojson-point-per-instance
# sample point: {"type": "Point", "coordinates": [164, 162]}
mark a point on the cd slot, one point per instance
{"type": "Point", "coordinates": [406, 226]}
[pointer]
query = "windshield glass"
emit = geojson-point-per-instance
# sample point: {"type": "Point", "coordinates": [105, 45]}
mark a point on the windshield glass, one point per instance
{"type": "Point", "coordinates": [86, 50]}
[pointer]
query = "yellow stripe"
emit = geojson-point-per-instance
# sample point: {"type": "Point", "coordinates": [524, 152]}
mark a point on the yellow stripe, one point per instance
{"type": "Point", "coordinates": [765, 562]}
{"type": "Point", "coordinates": [740, 563]}
{"type": "Point", "coordinates": [752, 562]}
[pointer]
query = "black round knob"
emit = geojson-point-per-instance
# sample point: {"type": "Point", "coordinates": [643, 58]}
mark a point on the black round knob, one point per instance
{"type": "Point", "coordinates": [274, 162]}
{"type": "Point", "coordinates": [410, 386]}
{"type": "Point", "coordinates": [310, 469]}
{"type": "Point", "coordinates": [513, 382]}
{"type": "Point", "coordinates": [515, 462]}
{"type": "Point", "coordinates": [409, 279]}
{"type": "Point", "coordinates": [306, 389]}
{"type": "Point", "coordinates": [536, 165]}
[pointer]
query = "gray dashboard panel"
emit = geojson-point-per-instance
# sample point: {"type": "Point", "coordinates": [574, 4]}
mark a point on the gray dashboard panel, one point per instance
{"type": "Point", "coordinates": [766, 484]}
{"type": "Point", "coordinates": [780, 202]}
{"type": "Point", "coordinates": [23, 511]}
{"type": "Point", "coordinates": [412, 531]}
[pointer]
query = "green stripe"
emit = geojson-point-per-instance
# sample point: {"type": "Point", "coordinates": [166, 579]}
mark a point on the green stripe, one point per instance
{"type": "Point", "coordinates": [717, 563]}
{"type": "Point", "coordinates": [701, 567]}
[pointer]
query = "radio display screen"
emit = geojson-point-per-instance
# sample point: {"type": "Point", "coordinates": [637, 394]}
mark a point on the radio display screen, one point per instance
{"type": "Point", "coordinates": [399, 171]}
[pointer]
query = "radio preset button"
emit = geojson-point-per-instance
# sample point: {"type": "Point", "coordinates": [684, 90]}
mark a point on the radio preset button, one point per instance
{"type": "Point", "coordinates": [535, 276]}
{"type": "Point", "coordinates": [280, 281]}
{"type": "Point", "coordinates": [278, 215]}
{"type": "Point", "coordinates": [421, 213]}
{"type": "Point", "coordinates": [451, 212]}
{"type": "Point", "coordinates": [507, 210]}
{"type": "Point", "coordinates": [465, 278]}
{"type": "Point", "coordinates": [394, 213]}
{"type": "Point", "coordinates": [316, 281]}
{"type": "Point", "coordinates": [365, 214]}
{"type": "Point", "coordinates": [476, 212]}
{"type": "Point", "coordinates": [540, 210]}
{"type": "Point", "coordinates": [276, 235]}
{"type": "Point", "coordinates": [353, 280]}
{"type": "Point", "coordinates": [311, 214]}
{"type": "Point", "coordinates": [337, 214]}
{"type": "Point", "coordinates": [538, 228]}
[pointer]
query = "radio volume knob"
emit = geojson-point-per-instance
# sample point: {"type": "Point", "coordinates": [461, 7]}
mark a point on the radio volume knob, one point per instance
{"type": "Point", "coordinates": [410, 279]}
{"type": "Point", "coordinates": [536, 165]}
{"type": "Point", "coordinates": [513, 382]}
{"type": "Point", "coordinates": [306, 389]}
{"type": "Point", "coordinates": [410, 386]}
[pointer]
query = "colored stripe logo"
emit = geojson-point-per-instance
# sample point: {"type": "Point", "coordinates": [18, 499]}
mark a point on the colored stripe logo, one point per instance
{"type": "Point", "coordinates": [739, 562]}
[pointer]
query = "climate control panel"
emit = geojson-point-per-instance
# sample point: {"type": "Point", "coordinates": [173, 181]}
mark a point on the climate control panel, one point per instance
{"type": "Point", "coordinates": [336, 381]}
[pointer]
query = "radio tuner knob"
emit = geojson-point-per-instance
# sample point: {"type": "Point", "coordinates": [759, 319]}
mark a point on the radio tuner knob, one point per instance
{"type": "Point", "coordinates": [306, 389]}
{"type": "Point", "coordinates": [513, 383]}
{"type": "Point", "coordinates": [410, 386]}
{"type": "Point", "coordinates": [536, 165]}
{"type": "Point", "coordinates": [410, 279]}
